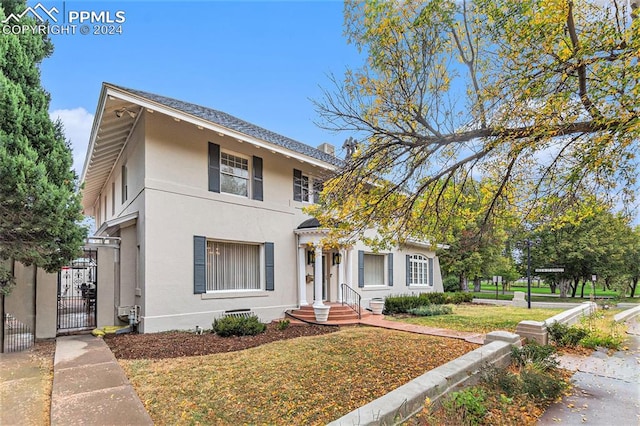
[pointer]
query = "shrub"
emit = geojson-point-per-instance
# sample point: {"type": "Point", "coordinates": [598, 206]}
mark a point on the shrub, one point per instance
{"type": "Point", "coordinates": [451, 283]}
{"type": "Point", "coordinates": [431, 310]}
{"type": "Point", "coordinates": [532, 381]}
{"type": "Point", "coordinates": [238, 326]}
{"type": "Point", "coordinates": [542, 356]}
{"type": "Point", "coordinates": [501, 381]}
{"type": "Point", "coordinates": [458, 298]}
{"type": "Point", "coordinates": [563, 335]}
{"type": "Point", "coordinates": [607, 341]}
{"type": "Point", "coordinates": [283, 324]}
{"type": "Point", "coordinates": [402, 304]}
{"type": "Point", "coordinates": [434, 298]}
{"type": "Point", "coordinates": [470, 403]}
{"type": "Point", "coordinates": [540, 385]}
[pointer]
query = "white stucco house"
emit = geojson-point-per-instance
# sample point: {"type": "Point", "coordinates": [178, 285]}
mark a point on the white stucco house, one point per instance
{"type": "Point", "coordinates": [208, 209]}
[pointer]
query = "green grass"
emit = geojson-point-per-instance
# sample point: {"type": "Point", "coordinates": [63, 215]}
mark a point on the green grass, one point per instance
{"type": "Point", "coordinates": [546, 298]}
{"type": "Point", "coordinates": [309, 380]}
{"type": "Point", "coordinates": [544, 289]}
{"type": "Point", "coordinates": [482, 319]}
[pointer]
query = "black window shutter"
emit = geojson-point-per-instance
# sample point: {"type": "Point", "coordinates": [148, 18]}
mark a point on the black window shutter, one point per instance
{"type": "Point", "coordinates": [297, 185]}
{"type": "Point", "coordinates": [430, 271]}
{"type": "Point", "coordinates": [199, 265]}
{"type": "Point", "coordinates": [360, 268]}
{"type": "Point", "coordinates": [214, 167]}
{"type": "Point", "coordinates": [408, 270]}
{"type": "Point", "coordinates": [390, 268]}
{"type": "Point", "coordinates": [269, 266]}
{"type": "Point", "coordinates": [257, 193]}
{"type": "Point", "coordinates": [123, 184]}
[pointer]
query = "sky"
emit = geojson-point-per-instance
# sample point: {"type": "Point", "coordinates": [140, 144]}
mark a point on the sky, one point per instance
{"type": "Point", "coordinates": [261, 61]}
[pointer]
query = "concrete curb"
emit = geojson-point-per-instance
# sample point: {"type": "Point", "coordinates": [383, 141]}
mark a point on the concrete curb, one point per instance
{"type": "Point", "coordinates": [407, 400]}
{"type": "Point", "coordinates": [551, 305]}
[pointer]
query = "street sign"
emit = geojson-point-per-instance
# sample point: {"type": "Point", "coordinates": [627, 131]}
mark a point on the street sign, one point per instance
{"type": "Point", "coordinates": [549, 270]}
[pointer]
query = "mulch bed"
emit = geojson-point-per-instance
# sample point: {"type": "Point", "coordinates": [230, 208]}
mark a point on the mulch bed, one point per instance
{"type": "Point", "coordinates": [173, 344]}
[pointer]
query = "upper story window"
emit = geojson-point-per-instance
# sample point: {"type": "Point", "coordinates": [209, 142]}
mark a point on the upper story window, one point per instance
{"type": "Point", "coordinates": [306, 188]}
{"type": "Point", "coordinates": [234, 174]}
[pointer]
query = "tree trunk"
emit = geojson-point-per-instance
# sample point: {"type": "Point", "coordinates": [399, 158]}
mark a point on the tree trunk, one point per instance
{"type": "Point", "coordinates": [574, 286]}
{"type": "Point", "coordinates": [633, 285]}
{"type": "Point", "coordinates": [553, 285]}
{"type": "Point", "coordinates": [2, 327]}
{"type": "Point", "coordinates": [464, 285]}
{"type": "Point", "coordinates": [564, 285]}
{"type": "Point", "coordinates": [582, 289]}
{"type": "Point", "coordinates": [477, 284]}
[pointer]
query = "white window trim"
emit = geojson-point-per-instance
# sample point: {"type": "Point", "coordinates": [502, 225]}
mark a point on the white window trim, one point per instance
{"type": "Point", "coordinates": [425, 262]}
{"type": "Point", "coordinates": [311, 189]}
{"type": "Point", "coordinates": [249, 172]}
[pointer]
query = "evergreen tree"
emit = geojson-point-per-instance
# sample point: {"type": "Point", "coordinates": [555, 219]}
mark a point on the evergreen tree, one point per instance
{"type": "Point", "coordinates": [40, 210]}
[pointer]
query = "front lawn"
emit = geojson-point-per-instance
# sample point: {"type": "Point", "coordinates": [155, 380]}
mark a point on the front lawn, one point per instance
{"type": "Point", "coordinates": [481, 318]}
{"type": "Point", "coordinates": [309, 380]}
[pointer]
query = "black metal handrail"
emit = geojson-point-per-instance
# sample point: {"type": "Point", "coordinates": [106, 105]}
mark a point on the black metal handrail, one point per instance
{"type": "Point", "coordinates": [351, 298]}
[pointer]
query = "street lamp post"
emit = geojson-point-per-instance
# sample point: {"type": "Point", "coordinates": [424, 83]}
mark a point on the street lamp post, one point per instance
{"type": "Point", "coordinates": [528, 274]}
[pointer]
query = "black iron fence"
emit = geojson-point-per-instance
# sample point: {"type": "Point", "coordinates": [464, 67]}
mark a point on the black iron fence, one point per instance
{"type": "Point", "coordinates": [77, 293]}
{"type": "Point", "coordinates": [17, 336]}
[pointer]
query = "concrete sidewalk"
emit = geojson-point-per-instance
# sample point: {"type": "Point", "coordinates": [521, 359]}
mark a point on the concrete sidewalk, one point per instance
{"type": "Point", "coordinates": [25, 382]}
{"type": "Point", "coordinates": [90, 388]}
{"type": "Point", "coordinates": [606, 388]}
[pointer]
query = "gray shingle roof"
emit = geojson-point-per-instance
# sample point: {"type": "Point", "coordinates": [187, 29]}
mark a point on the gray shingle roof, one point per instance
{"type": "Point", "coordinates": [234, 123]}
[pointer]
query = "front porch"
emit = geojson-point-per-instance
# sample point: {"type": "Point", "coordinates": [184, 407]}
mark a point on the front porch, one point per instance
{"type": "Point", "coordinates": [321, 269]}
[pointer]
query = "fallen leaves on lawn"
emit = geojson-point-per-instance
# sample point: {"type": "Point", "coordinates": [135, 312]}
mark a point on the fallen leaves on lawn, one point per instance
{"type": "Point", "coordinates": [309, 380]}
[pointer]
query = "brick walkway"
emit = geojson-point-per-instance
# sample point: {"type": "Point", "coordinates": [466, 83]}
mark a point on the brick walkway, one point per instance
{"type": "Point", "coordinates": [379, 321]}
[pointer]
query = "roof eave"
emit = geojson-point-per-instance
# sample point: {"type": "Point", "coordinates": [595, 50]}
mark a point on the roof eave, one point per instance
{"type": "Point", "coordinates": [197, 121]}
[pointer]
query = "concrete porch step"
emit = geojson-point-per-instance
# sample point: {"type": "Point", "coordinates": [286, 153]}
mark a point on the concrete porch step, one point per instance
{"type": "Point", "coordinates": [338, 314]}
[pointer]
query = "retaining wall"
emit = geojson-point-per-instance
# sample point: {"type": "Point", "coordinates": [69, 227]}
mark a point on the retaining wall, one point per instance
{"type": "Point", "coordinates": [537, 330]}
{"type": "Point", "coordinates": [407, 400]}
{"type": "Point", "coordinates": [627, 314]}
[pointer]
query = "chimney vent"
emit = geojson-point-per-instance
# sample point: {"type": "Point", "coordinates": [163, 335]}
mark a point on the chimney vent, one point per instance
{"type": "Point", "coordinates": [327, 148]}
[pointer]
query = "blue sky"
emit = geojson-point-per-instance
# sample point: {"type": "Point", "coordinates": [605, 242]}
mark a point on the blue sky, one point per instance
{"type": "Point", "coordinates": [261, 61]}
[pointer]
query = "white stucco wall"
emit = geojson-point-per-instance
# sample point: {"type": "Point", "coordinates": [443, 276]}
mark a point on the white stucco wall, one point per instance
{"type": "Point", "coordinates": [179, 206]}
{"type": "Point", "coordinates": [167, 164]}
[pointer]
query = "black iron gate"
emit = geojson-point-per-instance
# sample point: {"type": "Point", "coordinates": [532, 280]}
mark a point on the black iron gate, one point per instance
{"type": "Point", "coordinates": [77, 293]}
